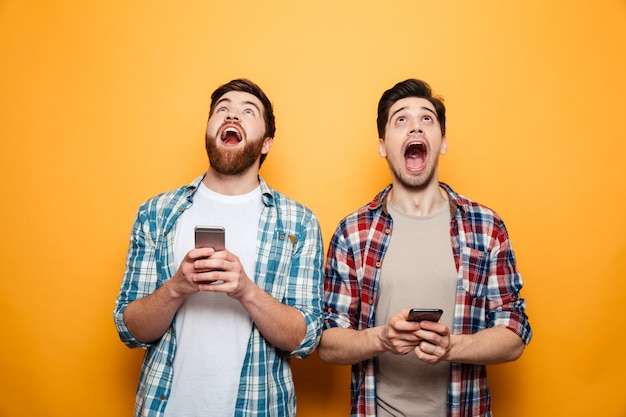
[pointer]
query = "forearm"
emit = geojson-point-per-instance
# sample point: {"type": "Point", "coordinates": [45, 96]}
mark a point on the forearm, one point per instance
{"type": "Point", "coordinates": [348, 346]}
{"type": "Point", "coordinates": [281, 325]}
{"type": "Point", "coordinates": [487, 347]}
{"type": "Point", "coordinates": [148, 318]}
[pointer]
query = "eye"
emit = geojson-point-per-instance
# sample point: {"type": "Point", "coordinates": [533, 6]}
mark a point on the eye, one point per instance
{"type": "Point", "coordinates": [427, 118]}
{"type": "Point", "coordinates": [249, 112]}
{"type": "Point", "coordinates": [400, 119]}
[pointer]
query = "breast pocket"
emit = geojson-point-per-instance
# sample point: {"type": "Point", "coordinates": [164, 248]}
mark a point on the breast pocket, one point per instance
{"type": "Point", "coordinates": [275, 264]}
{"type": "Point", "coordinates": [475, 273]}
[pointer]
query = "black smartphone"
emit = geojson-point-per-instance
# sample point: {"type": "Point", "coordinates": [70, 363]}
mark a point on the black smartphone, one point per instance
{"type": "Point", "coordinates": [428, 314]}
{"type": "Point", "coordinates": [210, 237]}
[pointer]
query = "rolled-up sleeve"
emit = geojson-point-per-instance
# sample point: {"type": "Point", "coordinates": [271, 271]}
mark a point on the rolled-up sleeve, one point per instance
{"type": "Point", "coordinates": [140, 276]}
{"type": "Point", "coordinates": [506, 307]}
{"type": "Point", "coordinates": [305, 287]}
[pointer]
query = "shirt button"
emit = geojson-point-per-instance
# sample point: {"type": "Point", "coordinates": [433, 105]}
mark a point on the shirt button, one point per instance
{"type": "Point", "coordinates": [378, 264]}
{"type": "Point", "coordinates": [162, 398]}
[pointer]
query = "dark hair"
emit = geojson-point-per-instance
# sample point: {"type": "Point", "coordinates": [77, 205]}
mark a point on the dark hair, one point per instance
{"type": "Point", "coordinates": [246, 86]}
{"type": "Point", "coordinates": [404, 89]}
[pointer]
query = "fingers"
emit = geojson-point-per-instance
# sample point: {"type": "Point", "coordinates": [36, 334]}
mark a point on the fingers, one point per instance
{"type": "Point", "coordinates": [429, 352]}
{"type": "Point", "coordinates": [400, 335]}
{"type": "Point", "coordinates": [222, 271]}
{"type": "Point", "coordinates": [192, 270]}
{"type": "Point", "coordinates": [435, 342]}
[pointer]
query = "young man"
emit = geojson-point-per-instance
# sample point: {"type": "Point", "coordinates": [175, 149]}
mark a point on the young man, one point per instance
{"type": "Point", "coordinates": [220, 326]}
{"type": "Point", "coordinates": [420, 244]}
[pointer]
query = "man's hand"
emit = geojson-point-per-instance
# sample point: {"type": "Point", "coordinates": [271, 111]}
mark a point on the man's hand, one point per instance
{"type": "Point", "coordinates": [399, 336]}
{"type": "Point", "coordinates": [221, 272]}
{"type": "Point", "coordinates": [434, 345]}
{"type": "Point", "coordinates": [193, 273]}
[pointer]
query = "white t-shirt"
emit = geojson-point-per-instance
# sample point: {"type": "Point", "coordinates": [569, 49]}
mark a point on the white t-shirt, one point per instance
{"type": "Point", "coordinates": [212, 329]}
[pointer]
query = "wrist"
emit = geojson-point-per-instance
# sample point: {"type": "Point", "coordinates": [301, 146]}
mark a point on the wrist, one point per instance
{"type": "Point", "coordinates": [172, 288]}
{"type": "Point", "coordinates": [381, 340]}
{"type": "Point", "coordinates": [247, 293]}
{"type": "Point", "coordinates": [458, 344]}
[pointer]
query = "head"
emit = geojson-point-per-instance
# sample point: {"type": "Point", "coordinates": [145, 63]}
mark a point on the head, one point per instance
{"type": "Point", "coordinates": [411, 127]}
{"type": "Point", "coordinates": [405, 89]}
{"type": "Point", "coordinates": [246, 86]}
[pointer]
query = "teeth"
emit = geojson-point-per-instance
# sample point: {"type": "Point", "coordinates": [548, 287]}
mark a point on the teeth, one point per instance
{"type": "Point", "coordinates": [414, 149]}
{"type": "Point", "coordinates": [420, 145]}
{"type": "Point", "coordinates": [231, 130]}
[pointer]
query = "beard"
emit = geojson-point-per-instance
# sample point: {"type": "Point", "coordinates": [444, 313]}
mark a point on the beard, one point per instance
{"type": "Point", "coordinates": [233, 161]}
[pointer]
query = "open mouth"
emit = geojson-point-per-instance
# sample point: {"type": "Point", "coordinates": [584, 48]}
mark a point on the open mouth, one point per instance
{"type": "Point", "coordinates": [231, 136]}
{"type": "Point", "coordinates": [416, 155]}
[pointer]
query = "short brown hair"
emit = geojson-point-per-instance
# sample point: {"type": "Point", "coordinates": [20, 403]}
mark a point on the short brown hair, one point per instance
{"type": "Point", "coordinates": [404, 89]}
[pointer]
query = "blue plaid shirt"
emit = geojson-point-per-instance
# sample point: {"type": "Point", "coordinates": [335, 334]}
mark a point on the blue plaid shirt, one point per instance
{"type": "Point", "coordinates": [289, 266]}
{"type": "Point", "coordinates": [487, 294]}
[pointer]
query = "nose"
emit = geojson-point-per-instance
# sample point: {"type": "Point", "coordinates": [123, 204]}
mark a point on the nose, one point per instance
{"type": "Point", "coordinates": [416, 128]}
{"type": "Point", "coordinates": [232, 116]}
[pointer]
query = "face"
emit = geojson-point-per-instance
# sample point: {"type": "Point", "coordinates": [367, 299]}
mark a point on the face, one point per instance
{"type": "Point", "coordinates": [235, 135]}
{"type": "Point", "coordinates": [413, 142]}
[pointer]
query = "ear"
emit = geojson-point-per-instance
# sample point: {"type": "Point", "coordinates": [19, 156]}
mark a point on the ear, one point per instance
{"type": "Point", "coordinates": [444, 145]}
{"type": "Point", "coordinates": [382, 151]}
{"type": "Point", "coordinates": [267, 145]}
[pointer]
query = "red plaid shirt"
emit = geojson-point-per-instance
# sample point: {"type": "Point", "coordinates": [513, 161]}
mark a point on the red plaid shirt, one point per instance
{"type": "Point", "coordinates": [487, 292]}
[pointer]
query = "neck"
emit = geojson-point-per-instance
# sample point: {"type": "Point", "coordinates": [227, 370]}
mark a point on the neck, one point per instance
{"type": "Point", "coordinates": [231, 184]}
{"type": "Point", "coordinates": [418, 202]}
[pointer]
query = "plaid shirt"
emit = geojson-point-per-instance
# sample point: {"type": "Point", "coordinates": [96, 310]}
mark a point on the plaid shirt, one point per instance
{"type": "Point", "coordinates": [487, 292]}
{"type": "Point", "coordinates": [289, 266]}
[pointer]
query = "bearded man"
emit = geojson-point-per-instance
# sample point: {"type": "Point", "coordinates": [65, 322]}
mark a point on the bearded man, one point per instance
{"type": "Point", "coordinates": [219, 326]}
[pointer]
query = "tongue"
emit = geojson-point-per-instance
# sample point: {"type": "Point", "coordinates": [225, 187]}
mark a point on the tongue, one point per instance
{"type": "Point", "coordinates": [230, 139]}
{"type": "Point", "coordinates": [414, 158]}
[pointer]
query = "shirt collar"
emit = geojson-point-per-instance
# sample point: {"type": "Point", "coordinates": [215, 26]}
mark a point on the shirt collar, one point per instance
{"type": "Point", "coordinates": [266, 191]}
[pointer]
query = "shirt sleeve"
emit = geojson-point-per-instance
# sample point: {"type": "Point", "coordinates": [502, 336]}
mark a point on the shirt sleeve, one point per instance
{"type": "Point", "coordinates": [304, 290]}
{"type": "Point", "coordinates": [140, 277]}
{"type": "Point", "coordinates": [341, 309]}
{"type": "Point", "coordinates": [505, 305]}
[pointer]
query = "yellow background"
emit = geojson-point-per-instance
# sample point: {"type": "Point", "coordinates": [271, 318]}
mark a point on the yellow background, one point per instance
{"type": "Point", "coordinates": [103, 105]}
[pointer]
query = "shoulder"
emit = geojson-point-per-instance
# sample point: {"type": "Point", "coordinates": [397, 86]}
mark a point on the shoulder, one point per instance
{"type": "Point", "coordinates": [287, 207]}
{"type": "Point", "coordinates": [171, 199]}
{"type": "Point", "coordinates": [365, 216]}
{"type": "Point", "coordinates": [481, 224]}
{"type": "Point", "coordinates": [470, 208]}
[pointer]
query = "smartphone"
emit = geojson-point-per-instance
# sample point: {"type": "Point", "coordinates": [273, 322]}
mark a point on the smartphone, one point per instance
{"type": "Point", "coordinates": [210, 237]}
{"type": "Point", "coordinates": [429, 314]}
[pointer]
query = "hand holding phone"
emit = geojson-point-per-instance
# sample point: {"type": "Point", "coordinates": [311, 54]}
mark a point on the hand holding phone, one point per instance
{"type": "Point", "coordinates": [210, 237]}
{"type": "Point", "coordinates": [428, 314]}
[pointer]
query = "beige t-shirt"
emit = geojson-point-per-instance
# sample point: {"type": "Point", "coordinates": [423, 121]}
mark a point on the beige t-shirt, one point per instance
{"type": "Point", "coordinates": [418, 271]}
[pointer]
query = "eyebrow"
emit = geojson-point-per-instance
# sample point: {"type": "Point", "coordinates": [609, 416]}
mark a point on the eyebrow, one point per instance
{"type": "Point", "coordinates": [405, 107]}
{"type": "Point", "coordinates": [245, 102]}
